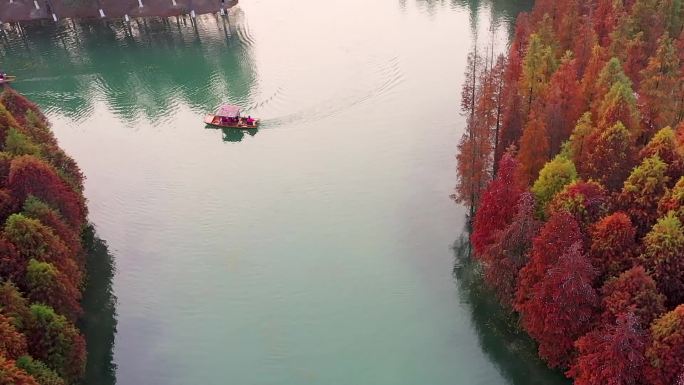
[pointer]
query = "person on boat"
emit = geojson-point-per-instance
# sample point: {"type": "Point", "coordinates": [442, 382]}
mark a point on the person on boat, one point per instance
{"type": "Point", "coordinates": [250, 121]}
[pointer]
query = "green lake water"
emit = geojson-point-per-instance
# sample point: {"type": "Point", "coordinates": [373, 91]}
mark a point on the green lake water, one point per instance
{"type": "Point", "coordinates": [316, 250]}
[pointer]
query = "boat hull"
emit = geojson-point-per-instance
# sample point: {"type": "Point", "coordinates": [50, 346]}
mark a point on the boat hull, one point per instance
{"type": "Point", "coordinates": [8, 79]}
{"type": "Point", "coordinates": [213, 121]}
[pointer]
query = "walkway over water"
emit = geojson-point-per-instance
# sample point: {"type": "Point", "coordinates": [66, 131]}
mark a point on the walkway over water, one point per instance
{"type": "Point", "coordinates": [12, 11]}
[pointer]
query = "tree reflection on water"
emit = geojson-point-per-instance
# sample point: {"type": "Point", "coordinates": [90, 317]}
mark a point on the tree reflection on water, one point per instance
{"type": "Point", "coordinates": [147, 70]}
{"type": "Point", "coordinates": [99, 304]}
{"type": "Point", "coordinates": [501, 339]}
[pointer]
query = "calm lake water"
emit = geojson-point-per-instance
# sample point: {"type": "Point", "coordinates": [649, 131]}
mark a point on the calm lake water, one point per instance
{"type": "Point", "coordinates": [316, 250]}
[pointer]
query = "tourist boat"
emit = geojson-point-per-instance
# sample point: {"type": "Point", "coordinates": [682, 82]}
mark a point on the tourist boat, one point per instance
{"type": "Point", "coordinates": [228, 116]}
{"type": "Point", "coordinates": [7, 79]}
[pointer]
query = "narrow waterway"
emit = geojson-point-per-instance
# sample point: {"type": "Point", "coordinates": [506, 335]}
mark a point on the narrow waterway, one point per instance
{"type": "Point", "coordinates": [316, 250]}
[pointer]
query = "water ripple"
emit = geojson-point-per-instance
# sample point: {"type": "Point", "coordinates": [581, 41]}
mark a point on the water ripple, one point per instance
{"type": "Point", "coordinates": [390, 77]}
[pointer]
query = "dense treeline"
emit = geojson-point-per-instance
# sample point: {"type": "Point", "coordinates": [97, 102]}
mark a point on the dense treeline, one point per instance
{"type": "Point", "coordinates": [573, 163]}
{"type": "Point", "coordinates": [43, 213]}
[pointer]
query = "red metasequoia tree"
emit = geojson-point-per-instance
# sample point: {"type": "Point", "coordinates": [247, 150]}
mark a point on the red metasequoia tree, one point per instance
{"type": "Point", "coordinates": [633, 291]}
{"type": "Point", "coordinates": [556, 236]}
{"type": "Point", "coordinates": [562, 306]}
{"type": "Point", "coordinates": [605, 19]}
{"type": "Point", "coordinates": [613, 354]}
{"type": "Point", "coordinates": [508, 255]}
{"type": "Point", "coordinates": [31, 176]}
{"type": "Point", "coordinates": [497, 206]}
{"type": "Point", "coordinates": [12, 263]}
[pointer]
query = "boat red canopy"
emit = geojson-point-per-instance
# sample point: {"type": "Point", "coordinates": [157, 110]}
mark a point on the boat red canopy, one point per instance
{"type": "Point", "coordinates": [229, 111]}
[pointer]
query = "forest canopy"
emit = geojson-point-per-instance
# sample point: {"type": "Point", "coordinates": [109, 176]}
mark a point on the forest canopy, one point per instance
{"type": "Point", "coordinates": [43, 213]}
{"type": "Point", "coordinates": [572, 163]}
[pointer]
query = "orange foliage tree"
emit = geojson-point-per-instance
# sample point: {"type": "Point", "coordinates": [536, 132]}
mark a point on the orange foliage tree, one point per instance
{"type": "Point", "coordinates": [534, 148]}
{"type": "Point", "coordinates": [475, 146]}
{"type": "Point", "coordinates": [613, 244]}
{"type": "Point", "coordinates": [11, 375]}
{"type": "Point", "coordinates": [610, 156]}
{"type": "Point", "coordinates": [595, 65]}
{"type": "Point", "coordinates": [661, 86]}
{"type": "Point", "coordinates": [12, 343]}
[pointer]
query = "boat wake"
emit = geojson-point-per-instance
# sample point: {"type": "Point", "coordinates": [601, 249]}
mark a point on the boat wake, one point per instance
{"type": "Point", "coordinates": [242, 29]}
{"type": "Point", "coordinates": [390, 74]}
